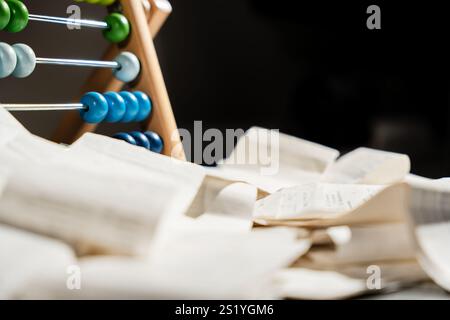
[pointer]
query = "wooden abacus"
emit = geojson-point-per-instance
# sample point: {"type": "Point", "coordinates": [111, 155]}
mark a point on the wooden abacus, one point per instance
{"type": "Point", "coordinates": [131, 26]}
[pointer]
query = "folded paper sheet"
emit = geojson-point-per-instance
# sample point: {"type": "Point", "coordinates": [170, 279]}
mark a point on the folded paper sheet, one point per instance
{"type": "Point", "coordinates": [430, 228]}
{"type": "Point", "coordinates": [25, 256]}
{"type": "Point", "coordinates": [212, 257]}
{"type": "Point", "coordinates": [380, 242]}
{"type": "Point", "coordinates": [347, 282]}
{"type": "Point", "coordinates": [368, 166]}
{"type": "Point", "coordinates": [271, 160]}
{"type": "Point", "coordinates": [321, 205]}
{"type": "Point", "coordinates": [364, 186]}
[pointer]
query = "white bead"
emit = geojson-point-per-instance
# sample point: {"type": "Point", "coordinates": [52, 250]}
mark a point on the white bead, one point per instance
{"type": "Point", "coordinates": [8, 60]}
{"type": "Point", "coordinates": [26, 60]}
{"type": "Point", "coordinates": [129, 67]}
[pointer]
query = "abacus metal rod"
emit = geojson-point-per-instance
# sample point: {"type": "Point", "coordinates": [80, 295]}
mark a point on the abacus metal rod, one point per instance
{"type": "Point", "coordinates": [79, 63]}
{"type": "Point", "coordinates": [67, 21]}
{"type": "Point", "coordinates": [42, 106]}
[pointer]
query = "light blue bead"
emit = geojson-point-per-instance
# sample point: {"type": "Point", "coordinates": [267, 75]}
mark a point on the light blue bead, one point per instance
{"type": "Point", "coordinates": [156, 143]}
{"type": "Point", "coordinates": [129, 67]}
{"type": "Point", "coordinates": [141, 139]}
{"type": "Point", "coordinates": [97, 107]}
{"type": "Point", "coordinates": [145, 106]}
{"type": "Point", "coordinates": [26, 60]}
{"type": "Point", "coordinates": [116, 107]}
{"type": "Point", "coordinates": [8, 60]}
{"type": "Point", "coordinates": [125, 137]}
{"type": "Point", "coordinates": [132, 106]}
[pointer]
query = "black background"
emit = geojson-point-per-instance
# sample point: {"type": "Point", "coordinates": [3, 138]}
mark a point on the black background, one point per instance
{"type": "Point", "coordinates": [351, 309]}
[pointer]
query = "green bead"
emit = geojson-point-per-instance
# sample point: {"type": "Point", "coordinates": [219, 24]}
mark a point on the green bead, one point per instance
{"type": "Point", "coordinates": [5, 14]}
{"type": "Point", "coordinates": [19, 16]}
{"type": "Point", "coordinates": [119, 28]}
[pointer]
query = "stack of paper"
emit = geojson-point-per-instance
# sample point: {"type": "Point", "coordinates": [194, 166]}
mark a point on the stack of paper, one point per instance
{"type": "Point", "coordinates": [358, 214]}
{"type": "Point", "coordinates": [92, 200]}
{"type": "Point", "coordinates": [104, 219]}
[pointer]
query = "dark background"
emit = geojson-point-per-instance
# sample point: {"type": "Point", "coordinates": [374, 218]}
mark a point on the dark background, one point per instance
{"type": "Point", "coordinates": [311, 69]}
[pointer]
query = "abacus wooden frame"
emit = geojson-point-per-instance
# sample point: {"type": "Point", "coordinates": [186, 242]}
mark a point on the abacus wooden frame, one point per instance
{"type": "Point", "coordinates": [145, 26]}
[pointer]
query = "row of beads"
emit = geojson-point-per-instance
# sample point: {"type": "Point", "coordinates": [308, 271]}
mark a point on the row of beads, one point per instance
{"type": "Point", "coordinates": [14, 17]}
{"type": "Point", "coordinates": [19, 60]}
{"type": "Point", "coordinates": [100, 2]}
{"type": "Point", "coordinates": [148, 140]}
{"type": "Point", "coordinates": [115, 107]}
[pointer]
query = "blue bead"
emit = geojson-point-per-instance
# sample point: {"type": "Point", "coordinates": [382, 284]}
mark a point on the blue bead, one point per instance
{"type": "Point", "coordinates": [125, 137]}
{"type": "Point", "coordinates": [97, 107]}
{"type": "Point", "coordinates": [116, 105]}
{"type": "Point", "coordinates": [132, 106]}
{"type": "Point", "coordinates": [156, 143]}
{"type": "Point", "coordinates": [141, 139]}
{"type": "Point", "coordinates": [145, 105]}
